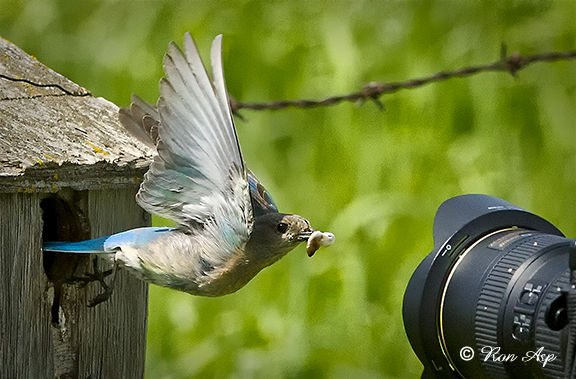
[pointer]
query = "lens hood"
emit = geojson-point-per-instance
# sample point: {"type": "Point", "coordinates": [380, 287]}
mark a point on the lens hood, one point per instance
{"type": "Point", "coordinates": [459, 223]}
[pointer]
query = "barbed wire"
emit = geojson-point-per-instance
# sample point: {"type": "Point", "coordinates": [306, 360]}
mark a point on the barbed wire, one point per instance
{"type": "Point", "coordinates": [374, 90]}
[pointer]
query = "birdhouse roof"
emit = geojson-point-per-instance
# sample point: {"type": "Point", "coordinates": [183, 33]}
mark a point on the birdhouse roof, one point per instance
{"type": "Point", "coordinates": [54, 133]}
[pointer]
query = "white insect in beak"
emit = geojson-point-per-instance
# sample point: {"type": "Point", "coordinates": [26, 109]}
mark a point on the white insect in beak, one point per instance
{"type": "Point", "coordinates": [317, 240]}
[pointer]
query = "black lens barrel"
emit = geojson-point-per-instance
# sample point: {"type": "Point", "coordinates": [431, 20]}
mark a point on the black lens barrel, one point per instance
{"type": "Point", "coordinates": [495, 302]}
{"type": "Point", "coordinates": [494, 280]}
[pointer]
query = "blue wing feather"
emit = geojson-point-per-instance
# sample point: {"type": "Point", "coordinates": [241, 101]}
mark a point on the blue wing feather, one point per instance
{"type": "Point", "coordinates": [262, 202]}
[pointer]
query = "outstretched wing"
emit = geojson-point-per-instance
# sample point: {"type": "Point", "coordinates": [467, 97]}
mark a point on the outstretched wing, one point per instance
{"type": "Point", "coordinates": [198, 177]}
{"type": "Point", "coordinates": [142, 120]}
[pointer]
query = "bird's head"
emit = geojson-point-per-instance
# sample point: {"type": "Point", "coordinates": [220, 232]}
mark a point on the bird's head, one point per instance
{"type": "Point", "coordinates": [275, 234]}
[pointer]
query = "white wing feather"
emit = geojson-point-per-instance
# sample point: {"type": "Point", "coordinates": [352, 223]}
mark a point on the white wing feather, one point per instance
{"type": "Point", "coordinates": [198, 177]}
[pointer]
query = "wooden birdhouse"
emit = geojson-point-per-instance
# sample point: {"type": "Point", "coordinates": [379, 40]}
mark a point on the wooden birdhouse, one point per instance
{"type": "Point", "coordinates": [68, 172]}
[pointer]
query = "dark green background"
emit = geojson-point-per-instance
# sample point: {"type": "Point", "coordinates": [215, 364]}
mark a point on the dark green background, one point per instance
{"type": "Point", "coordinates": [373, 178]}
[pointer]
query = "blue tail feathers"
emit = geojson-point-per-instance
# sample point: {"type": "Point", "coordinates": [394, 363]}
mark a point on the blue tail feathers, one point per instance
{"type": "Point", "coordinates": [108, 244]}
{"type": "Point", "coordinates": [94, 246]}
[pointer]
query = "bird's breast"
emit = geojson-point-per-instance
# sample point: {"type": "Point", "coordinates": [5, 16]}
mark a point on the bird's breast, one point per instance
{"type": "Point", "coordinates": [183, 262]}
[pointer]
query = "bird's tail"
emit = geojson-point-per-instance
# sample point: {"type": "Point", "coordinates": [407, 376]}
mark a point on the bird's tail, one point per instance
{"type": "Point", "coordinates": [95, 246]}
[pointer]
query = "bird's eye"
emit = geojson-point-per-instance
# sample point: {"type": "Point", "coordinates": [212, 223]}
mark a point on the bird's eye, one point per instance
{"type": "Point", "coordinates": [282, 227]}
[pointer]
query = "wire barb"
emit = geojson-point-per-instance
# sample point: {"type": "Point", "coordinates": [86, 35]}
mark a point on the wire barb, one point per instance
{"type": "Point", "coordinates": [374, 90]}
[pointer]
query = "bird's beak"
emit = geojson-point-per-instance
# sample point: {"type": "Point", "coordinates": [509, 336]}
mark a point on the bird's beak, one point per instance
{"type": "Point", "coordinates": [303, 236]}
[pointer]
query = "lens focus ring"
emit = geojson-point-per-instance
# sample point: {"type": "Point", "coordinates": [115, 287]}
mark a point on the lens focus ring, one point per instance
{"type": "Point", "coordinates": [494, 290]}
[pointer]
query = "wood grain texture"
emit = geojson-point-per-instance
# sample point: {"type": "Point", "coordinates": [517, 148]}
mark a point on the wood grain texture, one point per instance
{"type": "Point", "coordinates": [54, 134]}
{"type": "Point", "coordinates": [16, 64]}
{"type": "Point", "coordinates": [117, 328]}
{"type": "Point", "coordinates": [107, 341]}
{"type": "Point", "coordinates": [68, 171]}
{"type": "Point", "coordinates": [25, 331]}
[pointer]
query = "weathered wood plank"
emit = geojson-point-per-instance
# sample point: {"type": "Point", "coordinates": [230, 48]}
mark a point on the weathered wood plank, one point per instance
{"type": "Point", "coordinates": [25, 335]}
{"type": "Point", "coordinates": [106, 341]}
{"type": "Point", "coordinates": [115, 332]}
{"type": "Point", "coordinates": [59, 127]}
{"type": "Point", "coordinates": [64, 159]}
{"type": "Point", "coordinates": [16, 64]}
{"type": "Point", "coordinates": [51, 131]}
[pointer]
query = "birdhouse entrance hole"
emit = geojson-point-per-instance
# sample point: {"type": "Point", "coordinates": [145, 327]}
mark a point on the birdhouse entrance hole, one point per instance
{"type": "Point", "coordinates": [63, 221]}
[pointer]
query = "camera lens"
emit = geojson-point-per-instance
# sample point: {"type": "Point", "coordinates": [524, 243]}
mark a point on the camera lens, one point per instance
{"type": "Point", "coordinates": [489, 301]}
{"type": "Point", "coordinates": [496, 299]}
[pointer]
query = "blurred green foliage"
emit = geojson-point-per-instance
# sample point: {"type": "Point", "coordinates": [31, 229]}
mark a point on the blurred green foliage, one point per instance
{"type": "Point", "coordinates": [373, 178]}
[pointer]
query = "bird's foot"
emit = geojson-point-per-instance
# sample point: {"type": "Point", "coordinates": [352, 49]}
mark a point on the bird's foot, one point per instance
{"type": "Point", "coordinates": [98, 276]}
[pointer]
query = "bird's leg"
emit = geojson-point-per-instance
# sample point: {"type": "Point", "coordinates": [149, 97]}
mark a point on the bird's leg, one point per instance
{"type": "Point", "coordinates": [108, 289]}
{"type": "Point", "coordinates": [98, 276]}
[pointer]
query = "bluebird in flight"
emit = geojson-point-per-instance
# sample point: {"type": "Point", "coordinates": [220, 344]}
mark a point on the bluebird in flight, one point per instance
{"type": "Point", "coordinates": [228, 225]}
